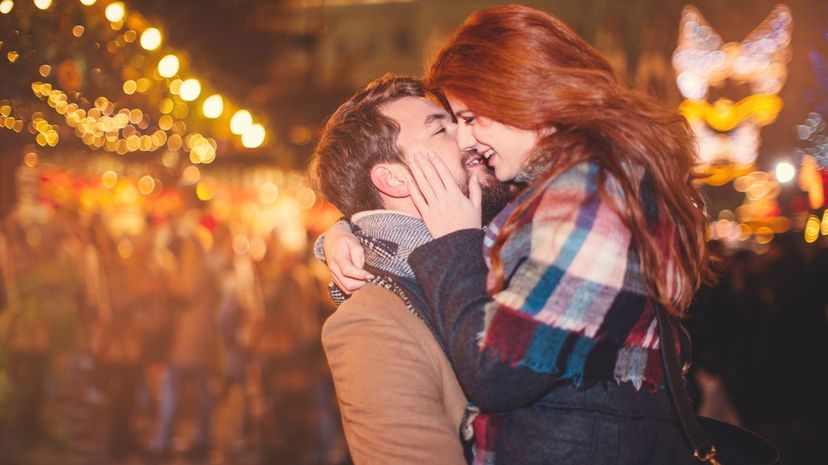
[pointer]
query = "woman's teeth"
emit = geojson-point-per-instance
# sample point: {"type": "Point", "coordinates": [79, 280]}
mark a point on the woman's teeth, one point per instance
{"type": "Point", "coordinates": [488, 153]}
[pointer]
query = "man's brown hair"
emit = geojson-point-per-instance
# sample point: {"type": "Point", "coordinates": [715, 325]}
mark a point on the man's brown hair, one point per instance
{"type": "Point", "coordinates": [358, 136]}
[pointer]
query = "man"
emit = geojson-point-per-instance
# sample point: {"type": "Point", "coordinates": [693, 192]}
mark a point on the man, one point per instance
{"type": "Point", "coordinates": [399, 398]}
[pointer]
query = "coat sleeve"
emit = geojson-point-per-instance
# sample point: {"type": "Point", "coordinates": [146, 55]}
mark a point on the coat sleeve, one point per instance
{"type": "Point", "coordinates": [453, 274]}
{"type": "Point", "coordinates": [389, 390]}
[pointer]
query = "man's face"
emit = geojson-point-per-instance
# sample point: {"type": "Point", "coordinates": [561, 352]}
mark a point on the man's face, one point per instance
{"type": "Point", "coordinates": [426, 127]}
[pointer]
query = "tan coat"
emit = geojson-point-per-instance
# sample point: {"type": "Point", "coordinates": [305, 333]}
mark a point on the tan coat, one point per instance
{"type": "Point", "coordinates": [399, 398]}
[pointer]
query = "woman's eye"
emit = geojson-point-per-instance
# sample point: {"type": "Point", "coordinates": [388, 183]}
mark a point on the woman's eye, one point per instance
{"type": "Point", "coordinates": [469, 120]}
{"type": "Point", "coordinates": [442, 130]}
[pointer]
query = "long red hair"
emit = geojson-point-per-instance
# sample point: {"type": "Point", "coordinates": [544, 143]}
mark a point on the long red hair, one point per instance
{"type": "Point", "coordinates": [526, 69]}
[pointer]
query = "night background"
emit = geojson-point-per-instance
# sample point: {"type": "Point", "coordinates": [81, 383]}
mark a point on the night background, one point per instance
{"type": "Point", "coordinates": [154, 203]}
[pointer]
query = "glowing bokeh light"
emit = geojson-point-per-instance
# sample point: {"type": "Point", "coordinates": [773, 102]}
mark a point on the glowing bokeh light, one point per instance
{"type": "Point", "coordinates": [213, 106]}
{"type": "Point", "coordinates": [253, 136]}
{"type": "Point", "coordinates": [146, 185]}
{"type": "Point", "coordinates": [6, 6]}
{"type": "Point", "coordinates": [190, 90]}
{"type": "Point", "coordinates": [240, 121]}
{"type": "Point", "coordinates": [190, 175]}
{"type": "Point", "coordinates": [203, 192]}
{"type": "Point", "coordinates": [88, 2]}
{"type": "Point", "coordinates": [130, 87]}
{"type": "Point", "coordinates": [168, 66]}
{"type": "Point", "coordinates": [785, 172]}
{"type": "Point", "coordinates": [151, 38]}
{"type": "Point", "coordinates": [812, 228]}
{"type": "Point", "coordinates": [109, 179]}
{"type": "Point", "coordinates": [43, 4]}
{"type": "Point", "coordinates": [30, 159]}
{"type": "Point", "coordinates": [115, 12]}
{"type": "Point", "coordinates": [824, 226]}
{"type": "Point", "coordinates": [764, 235]}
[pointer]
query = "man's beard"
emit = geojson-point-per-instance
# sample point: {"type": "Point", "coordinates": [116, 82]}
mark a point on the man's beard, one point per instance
{"type": "Point", "coordinates": [496, 195]}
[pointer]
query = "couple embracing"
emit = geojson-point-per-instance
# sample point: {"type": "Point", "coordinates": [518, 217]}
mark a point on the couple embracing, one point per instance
{"type": "Point", "coordinates": [513, 221]}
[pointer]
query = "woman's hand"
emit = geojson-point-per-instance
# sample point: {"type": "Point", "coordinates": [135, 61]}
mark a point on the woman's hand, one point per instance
{"type": "Point", "coordinates": [345, 259]}
{"type": "Point", "coordinates": [443, 206]}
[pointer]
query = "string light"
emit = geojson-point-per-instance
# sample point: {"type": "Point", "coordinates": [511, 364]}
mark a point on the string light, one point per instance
{"type": "Point", "coordinates": [113, 127]}
{"type": "Point", "coordinates": [253, 136]}
{"type": "Point", "coordinates": [115, 12]}
{"type": "Point", "coordinates": [6, 6]}
{"type": "Point", "coordinates": [213, 106]}
{"type": "Point", "coordinates": [240, 121]}
{"type": "Point", "coordinates": [190, 90]}
{"type": "Point", "coordinates": [151, 38]}
{"type": "Point", "coordinates": [168, 66]}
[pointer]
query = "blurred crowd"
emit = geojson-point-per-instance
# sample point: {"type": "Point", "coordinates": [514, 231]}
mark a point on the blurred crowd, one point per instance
{"type": "Point", "coordinates": [166, 345]}
{"type": "Point", "coordinates": [178, 343]}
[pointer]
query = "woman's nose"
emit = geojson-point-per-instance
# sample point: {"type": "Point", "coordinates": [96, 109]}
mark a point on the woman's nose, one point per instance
{"type": "Point", "coordinates": [465, 138]}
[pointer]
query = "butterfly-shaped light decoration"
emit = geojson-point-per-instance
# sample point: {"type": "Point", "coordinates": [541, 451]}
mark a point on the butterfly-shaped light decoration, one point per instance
{"type": "Point", "coordinates": [728, 131]}
{"type": "Point", "coordinates": [813, 171]}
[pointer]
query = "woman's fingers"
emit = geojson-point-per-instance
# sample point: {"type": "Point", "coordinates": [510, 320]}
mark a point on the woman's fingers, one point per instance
{"type": "Point", "coordinates": [476, 193]}
{"type": "Point", "coordinates": [439, 166]}
{"type": "Point", "coordinates": [426, 164]}
{"type": "Point", "coordinates": [347, 269]}
{"type": "Point", "coordinates": [347, 285]}
{"type": "Point", "coordinates": [355, 269]}
{"type": "Point", "coordinates": [425, 187]}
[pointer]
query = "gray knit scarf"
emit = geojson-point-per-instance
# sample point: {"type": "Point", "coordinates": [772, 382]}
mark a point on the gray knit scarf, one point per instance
{"type": "Point", "coordinates": [388, 238]}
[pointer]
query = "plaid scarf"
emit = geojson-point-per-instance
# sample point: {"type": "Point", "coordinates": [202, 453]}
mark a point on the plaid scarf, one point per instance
{"type": "Point", "coordinates": [575, 303]}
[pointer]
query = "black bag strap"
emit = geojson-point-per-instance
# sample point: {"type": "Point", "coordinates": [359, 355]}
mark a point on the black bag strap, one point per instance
{"type": "Point", "coordinates": [703, 448]}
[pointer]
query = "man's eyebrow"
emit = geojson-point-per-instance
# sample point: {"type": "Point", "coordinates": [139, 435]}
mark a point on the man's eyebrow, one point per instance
{"type": "Point", "coordinates": [434, 117]}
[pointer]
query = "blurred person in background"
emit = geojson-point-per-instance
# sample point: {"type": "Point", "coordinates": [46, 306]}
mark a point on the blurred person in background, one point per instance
{"type": "Point", "coordinates": [194, 299]}
{"type": "Point", "coordinates": [236, 311]}
{"type": "Point", "coordinates": [39, 327]}
{"type": "Point", "coordinates": [285, 340]}
{"type": "Point", "coordinates": [116, 338]}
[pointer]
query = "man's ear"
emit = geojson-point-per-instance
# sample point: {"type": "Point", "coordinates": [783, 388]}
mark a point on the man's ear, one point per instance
{"type": "Point", "coordinates": [391, 179]}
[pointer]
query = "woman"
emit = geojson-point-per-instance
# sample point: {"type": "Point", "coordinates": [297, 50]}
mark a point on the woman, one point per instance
{"type": "Point", "coordinates": [552, 330]}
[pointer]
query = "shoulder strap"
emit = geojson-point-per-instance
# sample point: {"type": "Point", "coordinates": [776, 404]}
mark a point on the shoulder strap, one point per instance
{"type": "Point", "coordinates": [703, 448]}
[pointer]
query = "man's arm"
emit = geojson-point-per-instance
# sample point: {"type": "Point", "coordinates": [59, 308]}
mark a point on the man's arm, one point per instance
{"type": "Point", "coordinates": [389, 389]}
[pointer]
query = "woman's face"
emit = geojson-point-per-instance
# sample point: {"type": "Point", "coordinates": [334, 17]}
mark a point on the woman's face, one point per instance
{"type": "Point", "coordinates": [505, 148]}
